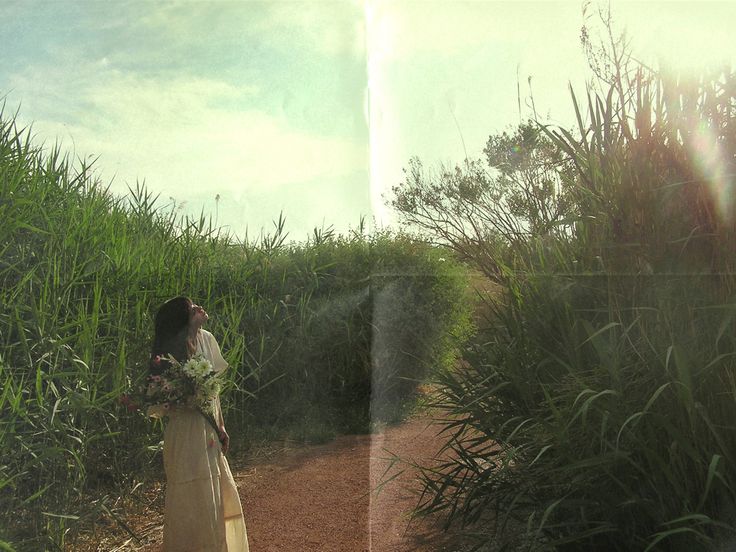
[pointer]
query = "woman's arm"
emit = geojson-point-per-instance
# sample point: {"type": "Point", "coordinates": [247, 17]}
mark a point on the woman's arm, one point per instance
{"type": "Point", "coordinates": [220, 420]}
{"type": "Point", "coordinates": [219, 365]}
{"type": "Point", "coordinates": [222, 433]}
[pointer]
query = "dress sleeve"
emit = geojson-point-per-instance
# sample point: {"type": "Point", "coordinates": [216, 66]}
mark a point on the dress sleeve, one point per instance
{"type": "Point", "coordinates": [218, 362]}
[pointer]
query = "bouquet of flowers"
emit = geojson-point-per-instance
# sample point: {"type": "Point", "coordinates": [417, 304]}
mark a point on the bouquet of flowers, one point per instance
{"type": "Point", "coordinates": [193, 384]}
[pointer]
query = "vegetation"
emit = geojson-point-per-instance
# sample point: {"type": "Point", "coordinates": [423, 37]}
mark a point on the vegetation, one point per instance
{"type": "Point", "coordinates": [485, 209]}
{"type": "Point", "coordinates": [596, 408]}
{"type": "Point", "coordinates": [326, 336]}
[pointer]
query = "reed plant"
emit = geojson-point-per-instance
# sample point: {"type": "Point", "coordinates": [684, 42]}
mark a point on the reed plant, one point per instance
{"type": "Point", "coordinates": [596, 409]}
{"type": "Point", "coordinates": [372, 315]}
{"type": "Point", "coordinates": [82, 272]}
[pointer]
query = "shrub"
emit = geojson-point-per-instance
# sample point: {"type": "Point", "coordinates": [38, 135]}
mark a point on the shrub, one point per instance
{"type": "Point", "coordinates": [597, 410]}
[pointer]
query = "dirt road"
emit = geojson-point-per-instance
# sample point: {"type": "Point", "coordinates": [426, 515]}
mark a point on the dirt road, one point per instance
{"type": "Point", "coordinates": [317, 499]}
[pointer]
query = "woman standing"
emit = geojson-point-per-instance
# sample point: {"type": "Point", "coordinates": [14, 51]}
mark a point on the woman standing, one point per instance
{"type": "Point", "coordinates": [202, 511]}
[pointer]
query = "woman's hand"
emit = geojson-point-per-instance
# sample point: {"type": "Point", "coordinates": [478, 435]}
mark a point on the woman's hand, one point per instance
{"type": "Point", "coordinates": [224, 440]}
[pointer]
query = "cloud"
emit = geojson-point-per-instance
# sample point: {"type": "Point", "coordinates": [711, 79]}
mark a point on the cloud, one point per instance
{"type": "Point", "coordinates": [328, 27]}
{"type": "Point", "coordinates": [331, 28]}
{"type": "Point", "coordinates": [178, 132]}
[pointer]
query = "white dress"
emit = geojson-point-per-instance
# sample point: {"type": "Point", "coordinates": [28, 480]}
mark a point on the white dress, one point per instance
{"type": "Point", "coordinates": [202, 511]}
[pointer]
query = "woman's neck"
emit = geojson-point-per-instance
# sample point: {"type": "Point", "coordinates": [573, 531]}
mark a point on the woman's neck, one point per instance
{"type": "Point", "coordinates": [192, 342]}
{"type": "Point", "coordinates": [193, 332]}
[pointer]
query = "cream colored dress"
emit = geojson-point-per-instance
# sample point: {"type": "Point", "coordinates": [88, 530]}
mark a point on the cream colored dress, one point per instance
{"type": "Point", "coordinates": [202, 512]}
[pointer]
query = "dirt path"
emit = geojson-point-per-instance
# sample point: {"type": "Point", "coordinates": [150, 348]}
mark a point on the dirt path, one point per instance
{"type": "Point", "coordinates": [320, 495]}
{"type": "Point", "coordinates": [316, 499]}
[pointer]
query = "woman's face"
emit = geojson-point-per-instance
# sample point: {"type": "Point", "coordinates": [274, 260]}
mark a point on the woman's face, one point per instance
{"type": "Point", "coordinates": [197, 316]}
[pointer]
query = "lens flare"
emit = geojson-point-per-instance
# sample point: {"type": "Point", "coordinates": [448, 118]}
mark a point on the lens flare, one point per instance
{"type": "Point", "coordinates": [710, 162]}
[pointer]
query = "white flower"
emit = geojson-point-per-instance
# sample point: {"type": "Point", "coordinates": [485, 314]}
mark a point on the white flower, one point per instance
{"type": "Point", "coordinates": [195, 381]}
{"type": "Point", "coordinates": [197, 367]}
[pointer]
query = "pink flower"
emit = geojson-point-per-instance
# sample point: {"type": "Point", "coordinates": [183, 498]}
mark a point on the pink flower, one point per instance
{"type": "Point", "coordinates": [126, 401]}
{"type": "Point", "coordinates": [157, 360]}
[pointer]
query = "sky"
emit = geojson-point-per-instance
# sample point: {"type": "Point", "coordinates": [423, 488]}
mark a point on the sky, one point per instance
{"type": "Point", "coordinates": [312, 109]}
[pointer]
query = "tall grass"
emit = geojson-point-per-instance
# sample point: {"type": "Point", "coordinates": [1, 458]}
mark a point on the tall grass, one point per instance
{"type": "Point", "coordinates": [597, 409]}
{"type": "Point", "coordinates": [83, 272]}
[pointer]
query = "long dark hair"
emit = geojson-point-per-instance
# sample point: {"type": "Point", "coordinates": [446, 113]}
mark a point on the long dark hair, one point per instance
{"type": "Point", "coordinates": [170, 333]}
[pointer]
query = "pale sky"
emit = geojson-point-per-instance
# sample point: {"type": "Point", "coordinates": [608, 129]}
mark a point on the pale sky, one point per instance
{"type": "Point", "coordinates": [310, 107]}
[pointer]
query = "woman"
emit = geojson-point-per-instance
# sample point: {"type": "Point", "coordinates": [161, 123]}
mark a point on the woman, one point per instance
{"type": "Point", "coordinates": [202, 511]}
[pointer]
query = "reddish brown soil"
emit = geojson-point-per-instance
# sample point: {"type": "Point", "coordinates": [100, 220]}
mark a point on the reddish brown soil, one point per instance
{"type": "Point", "coordinates": [317, 499]}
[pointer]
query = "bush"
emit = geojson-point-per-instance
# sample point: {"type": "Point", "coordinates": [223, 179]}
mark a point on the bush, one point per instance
{"type": "Point", "coordinates": [377, 317]}
{"type": "Point", "coordinates": [597, 410]}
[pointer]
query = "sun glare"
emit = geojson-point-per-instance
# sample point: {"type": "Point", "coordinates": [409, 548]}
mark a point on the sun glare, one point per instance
{"type": "Point", "coordinates": [711, 164]}
{"type": "Point", "coordinates": [688, 40]}
{"type": "Point", "coordinates": [682, 36]}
